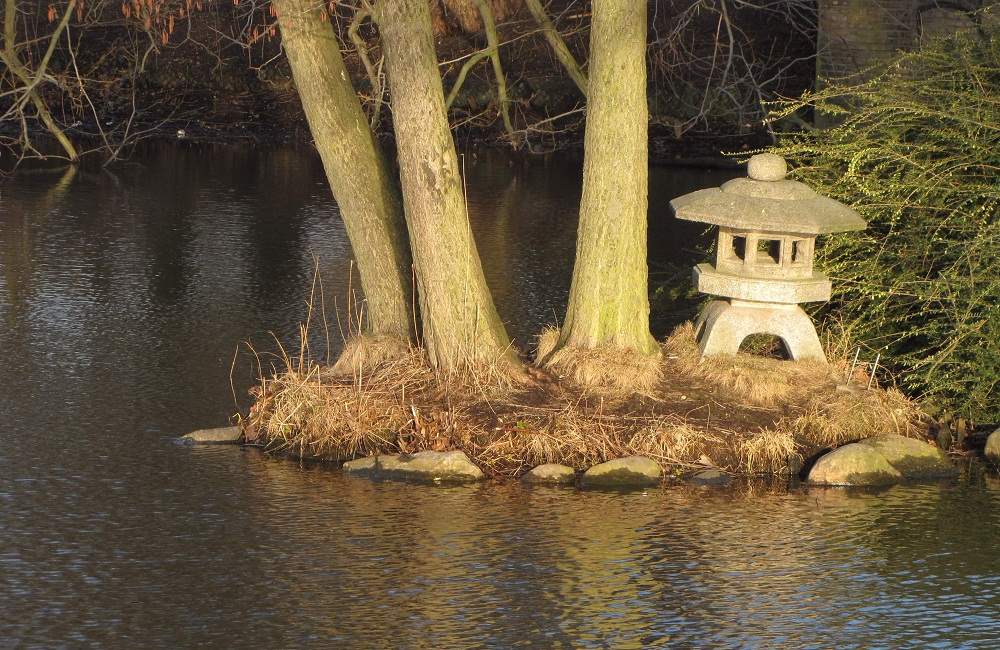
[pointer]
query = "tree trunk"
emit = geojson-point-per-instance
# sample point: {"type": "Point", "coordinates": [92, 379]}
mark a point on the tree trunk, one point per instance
{"type": "Point", "coordinates": [608, 302]}
{"type": "Point", "coordinates": [460, 323]}
{"type": "Point", "coordinates": [365, 191]}
{"type": "Point", "coordinates": [558, 45]}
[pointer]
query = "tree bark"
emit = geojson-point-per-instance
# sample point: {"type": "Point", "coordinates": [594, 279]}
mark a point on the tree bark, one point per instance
{"type": "Point", "coordinates": [365, 191]}
{"type": "Point", "coordinates": [609, 303]}
{"type": "Point", "coordinates": [461, 326]}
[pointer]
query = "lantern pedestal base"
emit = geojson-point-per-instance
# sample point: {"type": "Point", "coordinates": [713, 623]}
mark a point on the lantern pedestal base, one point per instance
{"type": "Point", "coordinates": [723, 325]}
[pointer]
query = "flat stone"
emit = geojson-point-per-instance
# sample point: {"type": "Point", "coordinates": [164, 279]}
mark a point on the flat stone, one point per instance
{"type": "Point", "coordinates": [431, 466]}
{"type": "Point", "coordinates": [360, 465]}
{"type": "Point", "coordinates": [854, 464]}
{"type": "Point", "coordinates": [551, 474]}
{"type": "Point", "coordinates": [632, 471]}
{"type": "Point", "coordinates": [710, 477]}
{"type": "Point", "coordinates": [914, 459]}
{"type": "Point", "coordinates": [219, 436]}
{"type": "Point", "coordinates": [993, 446]}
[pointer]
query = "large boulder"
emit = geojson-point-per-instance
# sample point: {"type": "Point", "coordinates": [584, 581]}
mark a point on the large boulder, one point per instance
{"type": "Point", "coordinates": [914, 459]}
{"type": "Point", "coordinates": [429, 466]}
{"type": "Point", "coordinates": [881, 460]}
{"type": "Point", "coordinates": [220, 436]}
{"type": "Point", "coordinates": [632, 471]}
{"type": "Point", "coordinates": [993, 447]}
{"type": "Point", "coordinates": [550, 474]}
{"type": "Point", "coordinates": [854, 464]}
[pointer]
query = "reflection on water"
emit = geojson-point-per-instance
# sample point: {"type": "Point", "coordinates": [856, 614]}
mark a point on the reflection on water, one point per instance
{"type": "Point", "coordinates": [122, 299]}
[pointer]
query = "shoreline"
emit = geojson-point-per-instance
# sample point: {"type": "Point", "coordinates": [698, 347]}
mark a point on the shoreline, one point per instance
{"type": "Point", "coordinates": [698, 414]}
{"type": "Point", "coordinates": [664, 151]}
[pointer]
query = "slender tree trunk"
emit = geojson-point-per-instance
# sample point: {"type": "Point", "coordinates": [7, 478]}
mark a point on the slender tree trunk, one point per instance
{"type": "Point", "coordinates": [608, 302]}
{"type": "Point", "coordinates": [557, 44]}
{"type": "Point", "coordinates": [365, 191]}
{"type": "Point", "coordinates": [10, 57]}
{"type": "Point", "coordinates": [493, 45]}
{"type": "Point", "coordinates": [460, 323]}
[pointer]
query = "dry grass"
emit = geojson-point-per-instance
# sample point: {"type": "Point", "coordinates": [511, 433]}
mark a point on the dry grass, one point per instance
{"type": "Point", "coordinates": [830, 420]}
{"type": "Point", "coordinates": [760, 381]}
{"type": "Point", "coordinates": [366, 351]}
{"type": "Point", "coordinates": [604, 368]}
{"type": "Point", "coordinates": [744, 414]}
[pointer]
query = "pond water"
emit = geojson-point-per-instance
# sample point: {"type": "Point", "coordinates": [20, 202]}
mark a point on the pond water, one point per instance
{"type": "Point", "coordinates": [123, 298]}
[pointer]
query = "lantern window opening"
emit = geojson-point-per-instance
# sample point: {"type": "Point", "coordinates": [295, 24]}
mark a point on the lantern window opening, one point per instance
{"type": "Point", "coordinates": [737, 247]}
{"type": "Point", "coordinates": [768, 251]}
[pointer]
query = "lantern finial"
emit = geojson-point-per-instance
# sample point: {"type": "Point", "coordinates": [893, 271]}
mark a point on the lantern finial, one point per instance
{"type": "Point", "coordinates": [767, 167]}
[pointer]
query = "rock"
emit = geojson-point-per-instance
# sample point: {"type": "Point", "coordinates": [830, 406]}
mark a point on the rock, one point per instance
{"type": "Point", "coordinates": [360, 465]}
{"type": "Point", "coordinates": [711, 477]}
{"type": "Point", "coordinates": [882, 460]}
{"type": "Point", "coordinates": [914, 459]}
{"type": "Point", "coordinates": [993, 446]}
{"type": "Point", "coordinates": [550, 474]}
{"type": "Point", "coordinates": [220, 436]}
{"type": "Point", "coordinates": [854, 464]}
{"type": "Point", "coordinates": [633, 471]}
{"type": "Point", "coordinates": [432, 466]}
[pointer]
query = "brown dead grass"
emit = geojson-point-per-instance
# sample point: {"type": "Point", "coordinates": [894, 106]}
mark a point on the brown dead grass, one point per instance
{"type": "Point", "coordinates": [761, 381]}
{"type": "Point", "coordinates": [366, 351]}
{"type": "Point", "coordinates": [603, 368]}
{"type": "Point", "coordinates": [745, 415]}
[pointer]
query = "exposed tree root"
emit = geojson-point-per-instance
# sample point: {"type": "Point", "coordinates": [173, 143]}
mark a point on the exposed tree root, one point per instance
{"type": "Point", "coordinates": [695, 414]}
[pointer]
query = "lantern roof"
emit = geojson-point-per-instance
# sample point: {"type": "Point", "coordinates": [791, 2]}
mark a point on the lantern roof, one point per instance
{"type": "Point", "coordinates": [766, 201]}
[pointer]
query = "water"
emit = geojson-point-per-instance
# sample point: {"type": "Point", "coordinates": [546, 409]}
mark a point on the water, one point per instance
{"type": "Point", "coordinates": [122, 301]}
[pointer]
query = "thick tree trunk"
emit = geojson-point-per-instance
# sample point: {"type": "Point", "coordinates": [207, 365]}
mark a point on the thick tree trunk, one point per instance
{"type": "Point", "coordinates": [366, 192]}
{"type": "Point", "coordinates": [460, 323]}
{"type": "Point", "coordinates": [608, 303]}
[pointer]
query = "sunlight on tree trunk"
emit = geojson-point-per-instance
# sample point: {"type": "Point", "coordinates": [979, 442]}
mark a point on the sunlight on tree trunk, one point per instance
{"type": "Point", "coordinates": [608, 303]}
{"type": "Point", "coordinates": [365, 191]}
{"type": "Point", "coordinates": [461, 327]}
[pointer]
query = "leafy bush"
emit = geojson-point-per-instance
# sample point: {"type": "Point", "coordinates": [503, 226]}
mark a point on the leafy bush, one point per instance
{"type": "Point", "coordinates": [916, 150]}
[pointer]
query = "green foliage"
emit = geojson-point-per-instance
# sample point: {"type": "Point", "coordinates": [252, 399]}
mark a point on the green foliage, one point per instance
{"type": "Point", "coordinates": [916, 150]}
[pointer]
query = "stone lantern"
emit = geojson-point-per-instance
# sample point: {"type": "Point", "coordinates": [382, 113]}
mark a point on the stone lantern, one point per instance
{"type": "Point", "coordinates": [764, 257]}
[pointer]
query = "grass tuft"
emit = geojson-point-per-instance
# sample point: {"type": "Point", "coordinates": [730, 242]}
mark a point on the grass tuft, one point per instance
{"type": "Point", "coordinates": [606, 368]}
{"type": "Point", "coordinates": [743, 414]}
